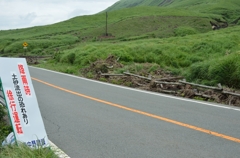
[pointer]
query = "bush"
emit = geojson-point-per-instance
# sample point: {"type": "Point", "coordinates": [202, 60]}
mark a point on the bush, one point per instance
{"type": "Point", "coordinates": [183, 31]}
{"type": "Point", "coordinates": [89, 75]}
{"type": "Point", "coordinates": [4, 131]}
{"type": "Point", "coordinates": [57, 57]}
{"type": "Point", "coordinates": [71, 58]}
{"type": "Point", "coordinates": [36, 51]}
{"type": "Point", "coordinates": [126, 57]}
{"type": "Point", "coordinates": [184, 63]}
{"type": "Point", "coordinates": [202, 47]}
{"type": "Point", "coordinates": [4, 128]}
{"type": "Point", "coordinates": [198, 71]}
{"type": "Point", "coordinates": [227, 71]}
{"type": "Point", "coordinates": [69, 70]}
{"type": "Point", "coordinates": [153, 68]}
{"type": "Point", "coordinates": [2, 113]}
{"type": "Point", "coordinates": [150, 57]}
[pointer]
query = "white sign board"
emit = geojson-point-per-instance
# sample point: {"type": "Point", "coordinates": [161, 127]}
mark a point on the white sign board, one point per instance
{"type": "Point", "coordinates": [22, 103]}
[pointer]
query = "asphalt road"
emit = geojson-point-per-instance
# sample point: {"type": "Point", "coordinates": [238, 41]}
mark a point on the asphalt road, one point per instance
{"type": "Point", "coordinates": [90, 119]}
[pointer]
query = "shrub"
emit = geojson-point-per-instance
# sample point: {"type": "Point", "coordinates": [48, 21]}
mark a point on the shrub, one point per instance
{"type": "Point", "coordinates": [69, 70]}
{"type": "Point", "coordinates": [138, 67]}
{"type": "Point", "coordinates": [150, 57]}
{"type": "Point", "coordinates": [202, 47]}
{"type": "Point", "coordinates": [4, 128]}
{"type": "Point", "coordinates": [71, 58]}
{"type": "Point", "coordinates": [57, 57]}
{"type": "Point", "coordinates": [184, 63]}
{"type": "Point", "coordinates": [128, 84]}
{"type": "Point", "coordinates": [126, 57]}
{"type": "Point", "coordinates": [89, 75]}
{"type": "Point", "coordinates": [2, 113]}
{"type": "Point", "coordinates": [153, 68]}
{"type": "Point", "coordinates": [198, 71]}
{"type": "Point", "coordinates": [194, 59]}
{"type": "Point", "coordinates": [227, 71]}
{"type": "Point", "coordinates": [183, 31]}
{"type": "Point", "coordinates": [36, 51]}
{"type": "Point", "coordinates": [103, 79]}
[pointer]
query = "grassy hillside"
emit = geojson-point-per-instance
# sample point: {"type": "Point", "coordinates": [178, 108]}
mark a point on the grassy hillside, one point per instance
{"type": "Point", "coordinates": [228, 10]}
{"type": "Point", "coordinates": [146, 22]}
{"type": "Point", "coordinates": [208, 58]}
{"type": "Point", "coordinates": [174, 35]}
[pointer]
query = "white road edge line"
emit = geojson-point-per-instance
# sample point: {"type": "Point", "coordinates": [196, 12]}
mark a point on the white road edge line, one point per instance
{"type": "Point", "coordinates": [57, 151]}
{"type": "Point", "coordinates": [142, 91]}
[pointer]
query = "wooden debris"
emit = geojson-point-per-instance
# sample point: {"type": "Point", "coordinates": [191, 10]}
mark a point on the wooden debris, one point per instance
{"type": "Point", "coordinates": [112, 74]}
{"type": "Point", "coordinates": [167, 91]}
{"type": "Point", "coordinates": [142, 77]}
{"type": "Point", "coordinates": [169, 79]}
{"type": "Point", "coordinates": [202, 86]}
{"type": "Point", "coordinates": [230, 93]}
{"type": "Point", "coordinates": [168, 83]}
{"type": "Point", "coordinates": [203, 95]}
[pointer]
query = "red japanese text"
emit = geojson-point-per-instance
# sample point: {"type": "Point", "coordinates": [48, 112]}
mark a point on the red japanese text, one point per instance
{"type": "Point", "coordinates": [15, 114]}
{"type": "Point", "coordinates": [24, 79]}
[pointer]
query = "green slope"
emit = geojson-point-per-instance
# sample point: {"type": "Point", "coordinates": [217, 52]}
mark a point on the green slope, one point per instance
{"type": "Point", "coordinates": [227, 9]}
{"type": "Point", "coordinates": [123, 24]}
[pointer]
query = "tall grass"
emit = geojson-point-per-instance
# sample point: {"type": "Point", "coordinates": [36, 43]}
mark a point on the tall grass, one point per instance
{"type": "Point", "coordinates": [23, 151]}
{"type": "Point", "coordinates": [5, 129]}
{"type": "Point", "coordinates": [226, 70]}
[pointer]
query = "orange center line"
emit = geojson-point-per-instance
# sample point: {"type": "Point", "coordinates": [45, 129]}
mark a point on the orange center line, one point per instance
{"type": "Point", "coordinates": [146, 114]}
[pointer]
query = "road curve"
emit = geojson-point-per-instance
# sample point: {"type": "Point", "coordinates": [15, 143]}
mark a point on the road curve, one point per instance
{"type": "Point", "coordinates": [91, 119]}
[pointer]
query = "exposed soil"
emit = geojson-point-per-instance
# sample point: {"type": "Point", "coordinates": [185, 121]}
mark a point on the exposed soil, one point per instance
{"type": "Point", "coordinates": [103, 70]}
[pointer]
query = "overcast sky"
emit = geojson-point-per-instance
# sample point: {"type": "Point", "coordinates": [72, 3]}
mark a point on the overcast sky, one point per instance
{"type": "Point", "coordinates": [27, 13]}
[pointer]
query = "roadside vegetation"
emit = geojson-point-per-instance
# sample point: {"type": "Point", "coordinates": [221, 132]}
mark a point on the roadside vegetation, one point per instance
{"type": "Point", "coordinates": [23, 151]}
{"type": "Point", "coordinates": [208, 58]}
{"type": "Point", "coordinates": [18, 151]}
{"type": "Point", "coordinates": [5, 129]}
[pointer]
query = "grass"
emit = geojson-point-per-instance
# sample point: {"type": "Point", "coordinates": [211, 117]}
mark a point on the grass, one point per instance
{"type": "Point", "coordinates": [228, 9]}
{"type": "Point", "coordinates": [4, 128]}
{"type": "Point", "coordinates": [125, 25]}
{"type": "Point", "coordinates": [196, 59]}
{"type": "Point", "coordinates": [23, 151]}
{"type": "Point", "coordinates": [20, 150]}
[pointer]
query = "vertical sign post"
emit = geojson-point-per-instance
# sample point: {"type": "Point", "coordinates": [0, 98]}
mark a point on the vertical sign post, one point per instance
{"type": "Point", "coordinates": [25, 44]}
{"type": "Point", "coordinates": [2, 99]}
{"type": "Point", "coordinates": [106, 24]}
{"type": "Point", "coordinates": [22, 103]}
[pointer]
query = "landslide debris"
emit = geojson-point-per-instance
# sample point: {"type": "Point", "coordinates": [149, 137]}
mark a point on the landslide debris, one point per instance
{"type": "Point", "coordinates": [151, 77]}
